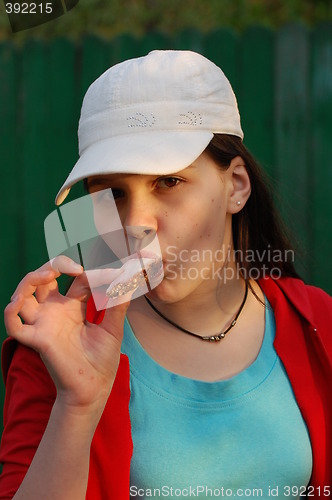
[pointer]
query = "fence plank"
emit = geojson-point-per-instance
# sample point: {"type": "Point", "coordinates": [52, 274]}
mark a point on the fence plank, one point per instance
{"type": "Point", "coordinates": [95, 58]}
{"type": "Point", "coordinates": [35, 152]}
{"type": "Point", "coordinates": [189, 39]}
{"type": "Point", "coordinates": [256, 95]}
{"type": "Point", "coordinates": [321, 168]}
{"type": "Point", "coordinates": [154, 41]}
{"type": "Point", "coordinates": [124, 47]}
{"type": "Point", "coordinates": [291, 140]}
{"type": "Point", "coordinates": [64, 109]}
{"type": "Point", "coordinates": [10, 248]}
{"type": "Point", "coordinates": [222, 47]}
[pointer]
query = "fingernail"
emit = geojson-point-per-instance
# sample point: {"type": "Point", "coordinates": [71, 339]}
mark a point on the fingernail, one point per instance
{"type": "Point", "coordinates": [76, 267]}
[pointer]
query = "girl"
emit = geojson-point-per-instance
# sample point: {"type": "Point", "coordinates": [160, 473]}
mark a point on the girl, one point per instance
{"type": "Point", "coordinates": [216, 382]}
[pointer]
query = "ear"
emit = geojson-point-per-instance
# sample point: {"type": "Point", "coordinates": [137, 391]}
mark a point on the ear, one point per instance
{"type": "Point", "coordinates": [239, 183]}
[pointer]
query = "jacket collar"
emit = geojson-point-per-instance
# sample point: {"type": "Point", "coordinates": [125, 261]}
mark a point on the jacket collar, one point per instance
{"type": "Point", "coordinates": [295, 291]}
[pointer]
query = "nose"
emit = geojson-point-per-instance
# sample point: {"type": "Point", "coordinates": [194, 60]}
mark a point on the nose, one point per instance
{"type": "Point", "coordinates": [139, 237]}
{"type": "Point", "coordinates": [140, 224]}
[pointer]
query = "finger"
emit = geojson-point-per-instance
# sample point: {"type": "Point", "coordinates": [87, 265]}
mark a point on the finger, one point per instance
{"type": "Point", "coordinates": [45, 274]}
{"type": "Point", "coordinates": [29, 309]}
{"type": "Point", "coordinates": [44, 292]}
{"type": "Point", "coordinates": [64, 265]}
{"type": "Point", "coordinates": [79, 289]}
{"type": "Point", "coordinates": [100, 277]}
{"type": "Point", "coordinates": [113, 321]}
{"type": "Point", "coordinates": [14, 326]}
{"type": "Point", "coordinates": [29, 283]}
{"type": "Point", "coordinates": [13, 322]}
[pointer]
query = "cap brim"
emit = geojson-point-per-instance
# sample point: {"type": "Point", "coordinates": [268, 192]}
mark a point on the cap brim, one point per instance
{"type": "Point", "coordinates": [148, 153]}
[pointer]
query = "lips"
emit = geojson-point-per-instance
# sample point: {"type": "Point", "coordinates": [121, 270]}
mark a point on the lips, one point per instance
{"type": "Point", "coordinates": [137, 272]}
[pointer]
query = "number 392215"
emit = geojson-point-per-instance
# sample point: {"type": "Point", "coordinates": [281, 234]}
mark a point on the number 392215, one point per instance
{"type": "Point", "coordinates": [28, 8]}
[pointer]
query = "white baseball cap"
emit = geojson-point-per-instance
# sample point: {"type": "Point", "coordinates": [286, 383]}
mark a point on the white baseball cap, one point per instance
{"type": "Point", "coordinates": [152, 115]}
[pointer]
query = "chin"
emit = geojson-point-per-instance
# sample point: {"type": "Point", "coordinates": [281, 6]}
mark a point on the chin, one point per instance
{"type": "Point", "coordinates": [169, 292]}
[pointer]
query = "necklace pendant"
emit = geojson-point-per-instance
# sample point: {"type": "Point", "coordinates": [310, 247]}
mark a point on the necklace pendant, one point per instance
{"type": "Point", "coordinates": [214, 338]}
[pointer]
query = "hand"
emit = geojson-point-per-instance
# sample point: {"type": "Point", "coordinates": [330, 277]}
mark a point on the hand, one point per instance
{"type": "Point", "coordinates": [82, 358]}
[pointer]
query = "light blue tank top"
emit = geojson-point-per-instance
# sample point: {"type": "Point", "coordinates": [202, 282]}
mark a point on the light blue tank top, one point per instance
{"type": "Point", "coordinates": [243, 436]}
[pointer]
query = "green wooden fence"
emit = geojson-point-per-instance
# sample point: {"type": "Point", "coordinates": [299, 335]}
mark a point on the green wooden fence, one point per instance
{"type": "Point", "coordinates": [283, 81]}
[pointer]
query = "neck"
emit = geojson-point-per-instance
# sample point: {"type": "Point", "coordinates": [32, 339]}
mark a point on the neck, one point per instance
{"type": "Point", "coordinates": [219, 305]}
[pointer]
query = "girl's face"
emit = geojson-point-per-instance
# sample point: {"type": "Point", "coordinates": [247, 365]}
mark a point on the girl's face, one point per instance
{"type": "Point", "coordinates": [190, 212]}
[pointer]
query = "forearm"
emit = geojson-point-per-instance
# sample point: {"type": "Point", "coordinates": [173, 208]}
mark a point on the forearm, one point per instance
{"type": "Point", "coordinates": [60, 467]}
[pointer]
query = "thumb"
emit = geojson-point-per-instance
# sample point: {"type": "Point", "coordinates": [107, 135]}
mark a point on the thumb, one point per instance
{"type": "Point", "coordinates": [114, 317]}
{"type": "Point", "coordinates": [79, 289]}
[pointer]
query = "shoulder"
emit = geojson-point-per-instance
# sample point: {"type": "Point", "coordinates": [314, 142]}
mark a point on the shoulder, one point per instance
{"type": "Point", "coordinates": [299, 292]}
{"type": "Point", "coordinates": [310, 302]}
{"type": "Point", "coordinates": [321, 304]}
{"type": "Point", "coordinates": [304, 310]}
{"type": "Point", "coordinates": [319, 298]}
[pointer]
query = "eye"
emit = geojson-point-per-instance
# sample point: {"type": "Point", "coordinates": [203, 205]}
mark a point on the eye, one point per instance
{"type": "Point", "coordinates": [168, 182]}
{"type": "Point", "coordinates": [117, 193]}
{"type": "Point", "coordinates": [108, 195]}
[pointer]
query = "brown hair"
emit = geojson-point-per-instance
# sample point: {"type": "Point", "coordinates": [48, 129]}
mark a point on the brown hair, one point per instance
{"type": "Point", "coordinates": [258, 231]}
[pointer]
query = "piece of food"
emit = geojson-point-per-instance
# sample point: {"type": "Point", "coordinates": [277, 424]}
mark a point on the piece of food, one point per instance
{"type": "Point", "coordinates": [134, 276]}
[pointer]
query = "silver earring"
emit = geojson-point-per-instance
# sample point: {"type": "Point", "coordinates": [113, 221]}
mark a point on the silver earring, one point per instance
{"type": "Point", "coordinates": [238, 203]}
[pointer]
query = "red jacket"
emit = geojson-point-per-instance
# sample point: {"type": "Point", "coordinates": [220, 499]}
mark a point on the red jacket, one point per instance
{"type": "Point", "coordinates": [303, 342]}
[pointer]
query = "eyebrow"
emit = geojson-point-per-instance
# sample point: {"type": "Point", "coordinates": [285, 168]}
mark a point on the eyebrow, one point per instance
{"type": "Point", "coordinates": [96, 181]}
{"type": "Point", "coordinates": [99, 180]}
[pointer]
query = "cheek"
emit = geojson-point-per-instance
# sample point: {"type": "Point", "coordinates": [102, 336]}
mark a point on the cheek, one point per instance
{"type": "Point", "coordinates": [207, 221]}
{"type": "Point", "coordinates": [200, 225]}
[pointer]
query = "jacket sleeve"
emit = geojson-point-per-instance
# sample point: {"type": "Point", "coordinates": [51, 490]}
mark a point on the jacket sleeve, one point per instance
{"type": "Point", "coordinates": [30, 395]}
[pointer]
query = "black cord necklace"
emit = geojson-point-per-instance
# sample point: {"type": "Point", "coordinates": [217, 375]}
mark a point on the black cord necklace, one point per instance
{"type": "Point", "coordinates": [211, 338]}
